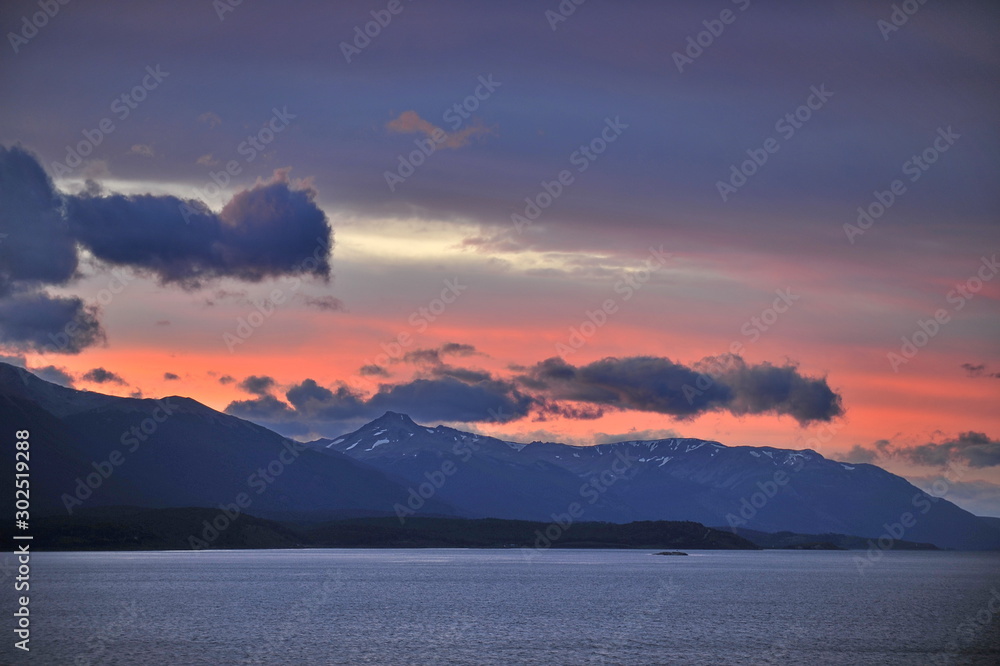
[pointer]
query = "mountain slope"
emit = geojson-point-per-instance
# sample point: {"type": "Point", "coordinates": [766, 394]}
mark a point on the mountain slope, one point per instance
{"type": "Point", "coordinates": [176, 452]}
{"type": "Point", "coordinates": [770, 489]}
{"type": "Point", "coordinates": [759, 488]}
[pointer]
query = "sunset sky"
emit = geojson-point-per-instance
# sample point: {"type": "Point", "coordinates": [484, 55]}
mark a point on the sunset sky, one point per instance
{"type": "Point", "coordinates": [687, 270]}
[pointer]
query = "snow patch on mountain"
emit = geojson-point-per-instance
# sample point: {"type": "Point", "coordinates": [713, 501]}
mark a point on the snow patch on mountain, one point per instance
{"type": "Point", "coordinates": [377, 443]}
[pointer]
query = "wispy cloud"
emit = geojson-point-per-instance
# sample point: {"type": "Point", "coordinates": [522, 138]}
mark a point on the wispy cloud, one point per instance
{"type": "Point", "coordinates": [979, 370]}
{"type": "Point", "coordinates": [409, 122]}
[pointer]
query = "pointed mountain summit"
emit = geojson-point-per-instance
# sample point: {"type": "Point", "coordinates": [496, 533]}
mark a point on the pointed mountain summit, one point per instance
{"type": "Point", "coordinates": [394, 434]}
{"type": "Point", "coordinates": [395, 417]}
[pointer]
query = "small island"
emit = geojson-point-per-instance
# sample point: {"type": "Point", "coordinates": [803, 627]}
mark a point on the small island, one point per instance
{"type": "Point", "coordinates": [671, 552]}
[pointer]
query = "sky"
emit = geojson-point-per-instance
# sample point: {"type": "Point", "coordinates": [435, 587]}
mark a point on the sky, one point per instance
{"type": "Point", "coordinates": [760, 223]}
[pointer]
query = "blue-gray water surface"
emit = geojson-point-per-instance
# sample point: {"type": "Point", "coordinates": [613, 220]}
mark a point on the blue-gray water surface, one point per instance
{"type": "Point", "coordinates": [495, 607]}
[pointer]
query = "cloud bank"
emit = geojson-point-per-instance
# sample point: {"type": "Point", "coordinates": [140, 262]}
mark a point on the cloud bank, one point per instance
{"type": "Point", "coordinates": [973, 449]}
{"type": "Point", "coordinates": [657, 384]}
{"type": "Point", "coordinates": [552, 388]}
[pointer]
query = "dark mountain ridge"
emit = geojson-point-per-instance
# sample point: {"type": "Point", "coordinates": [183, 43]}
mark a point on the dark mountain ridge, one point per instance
{"type": "Point", "coordinates": [90, 450]}
{"type": "Point", "coordinates": [767, 489]}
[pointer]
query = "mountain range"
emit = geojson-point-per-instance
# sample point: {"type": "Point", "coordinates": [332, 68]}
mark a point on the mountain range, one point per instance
{"type": "Point", "coordinates": [92, 450]}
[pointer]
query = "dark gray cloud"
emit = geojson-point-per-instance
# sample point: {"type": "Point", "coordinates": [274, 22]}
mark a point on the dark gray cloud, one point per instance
{"type": "Point", "coordinates": [657, 384]}
{"type": "Point", "coordinates": [325, 303]}
{"type": "Point", "coordinates": [642, 383]}
{"type": "Point", "coordinates": [979, 370]}
{"type": "Point", "coordinates": [315, 408]}
{"type": "Point", "coordinates": [316, 402]}
{"type": "Point", "coordinates": [859, 454]}
{"type": "Point", "coordinates": [267, 231]}
{"type": "Point", "coordinates": [435, 368]}
{"type": "Point", "coordinates": [449, 399]}
{"type": "Point", "coordinates": [170, 377]}
{"type": "Point", "coordinates": [37, 248]}
{"type": "Point", "coordinates": [868, 454]}
{"type": "Point", "coordinates": [35, 321]}
{"type": "Point", "coordinates": [311, 408]}
{"type": "Point", "coordinates": [577, 413]}
{"type": "Point", "coordinates": [270, 412]}
{"type": "Point", "coordinates": [51, 373]}
{"type": "Point", "coordinates": [226, 379]}
{"type": "Point", "coordinates": [434, 356]}
{"type": "Point", "coordinates": [431, 356]}
{"type": "Point", "coordinates": [765, 388]}
{"type": "Point", "coordinates": [458, 349]}
{"type": "Point", "coordinates": [974, 449]}
{"type": "Point", "coordinates": [102, 376]}
{"type": "Point", "coordinates": [373, 370]}
{"type": "Point", "coordinates": [258, 385]}
{"type": "Point", "coordinates": [974, 370]}
{"type": "Point", "coordinates": [467, 375]}
{"type": "Point", "coordinates": [264, 408]}
{"type": "Point", "coordinates": [272, 229]}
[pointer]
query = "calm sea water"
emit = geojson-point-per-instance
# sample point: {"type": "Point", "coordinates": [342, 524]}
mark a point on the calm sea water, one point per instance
{"type": "Point", "coordinates": [492, 607]}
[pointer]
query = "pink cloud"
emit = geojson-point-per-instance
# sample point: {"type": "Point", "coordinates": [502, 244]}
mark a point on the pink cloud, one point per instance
{"type": "Point", "coordinates": [410, 122]}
